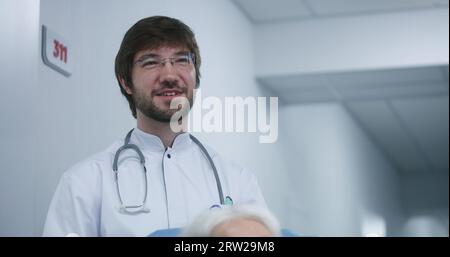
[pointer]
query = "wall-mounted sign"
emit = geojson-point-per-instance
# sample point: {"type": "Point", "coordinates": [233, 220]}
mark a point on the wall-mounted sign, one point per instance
{"type": "Point", "coordinates": [56, 52]}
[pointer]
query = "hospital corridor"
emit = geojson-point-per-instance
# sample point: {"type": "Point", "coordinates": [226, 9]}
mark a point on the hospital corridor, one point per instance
{"type": "Point", "coordinates": [331, 115]}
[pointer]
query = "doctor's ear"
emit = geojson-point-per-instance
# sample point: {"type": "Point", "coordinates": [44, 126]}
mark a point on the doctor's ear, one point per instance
{"type": "Point", "coordinates": [123, 84]}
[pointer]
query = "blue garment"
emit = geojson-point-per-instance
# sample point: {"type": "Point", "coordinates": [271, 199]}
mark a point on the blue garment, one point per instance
{"type": "Point", "coordinates": [173, 232]}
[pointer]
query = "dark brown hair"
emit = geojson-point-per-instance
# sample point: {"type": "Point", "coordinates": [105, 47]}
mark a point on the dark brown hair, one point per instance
{"type": "Point", "coordinates": [151, 33]}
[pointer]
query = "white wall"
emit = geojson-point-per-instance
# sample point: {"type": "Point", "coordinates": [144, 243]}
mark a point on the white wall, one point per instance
{"type": "Point", "coordinates": [82, 114]}
{"type": "Point", "coordinates": [398, 39]}
{"type": "Point", "coordinates": [343, 180]}
{"type": "Point", "coordinates": [19, 57]}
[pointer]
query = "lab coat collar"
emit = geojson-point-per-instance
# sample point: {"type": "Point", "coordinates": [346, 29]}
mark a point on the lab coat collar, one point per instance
{"type": "Point", "coordinates": [153, 143]}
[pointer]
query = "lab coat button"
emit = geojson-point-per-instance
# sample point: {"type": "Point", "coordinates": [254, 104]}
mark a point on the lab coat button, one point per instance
{"type": "Point", "coordinates": [168, 155]}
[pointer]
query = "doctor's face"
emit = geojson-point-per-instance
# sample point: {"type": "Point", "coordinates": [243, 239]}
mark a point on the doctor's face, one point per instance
{"type": "Point", "coordinates": [159, 75]}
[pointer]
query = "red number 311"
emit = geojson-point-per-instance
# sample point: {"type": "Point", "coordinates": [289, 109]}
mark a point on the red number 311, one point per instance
{"type": "Point", "coordinates": [59, 50]}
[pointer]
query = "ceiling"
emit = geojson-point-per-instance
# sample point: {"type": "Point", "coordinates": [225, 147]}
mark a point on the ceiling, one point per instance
{"type": "Point", "coordinates": [262, 11]}
{"type": "Point", "coordinates": [404, 111]}
{"type": "Point", "coordinates": [412, 132]}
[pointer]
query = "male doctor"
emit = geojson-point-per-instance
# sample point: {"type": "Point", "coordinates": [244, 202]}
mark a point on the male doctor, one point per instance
{"type": "Point", "coordinates": [155, 178]}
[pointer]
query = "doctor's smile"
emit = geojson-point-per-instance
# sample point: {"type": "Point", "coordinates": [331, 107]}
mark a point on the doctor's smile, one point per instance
{"type": "Point", "coordinates": [169, 94]}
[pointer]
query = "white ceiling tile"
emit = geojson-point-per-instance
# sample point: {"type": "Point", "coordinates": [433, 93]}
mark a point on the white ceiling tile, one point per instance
{"type": "Point", "coordinates": [300, 88]}
{"type": "Point", "coordinates": [385, 77]}
{"type": "Point", "coordinates": [272, 10]}
{"type": "Point", "coordinates": [381, 123]}
{"type": "Point", "coordinates": [308, 94]}
{"type": "Point", "coordinates": [428, 119]}
{"type": "Point", "coordinates": [333, 7]}
{"type": "Point", "coordinates": [374, 84]}
{"type": "Point", "coordinates": [268, 10]}
{"type": "Point", "coordinates": [389, 91]}
{"type": "Point", "coordinates": [293, 82]}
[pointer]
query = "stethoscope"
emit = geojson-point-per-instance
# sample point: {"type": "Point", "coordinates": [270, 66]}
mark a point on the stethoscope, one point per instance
{"type": "Point", "coordinates": [134, 209]}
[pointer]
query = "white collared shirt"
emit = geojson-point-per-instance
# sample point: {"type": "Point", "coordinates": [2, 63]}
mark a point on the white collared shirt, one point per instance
{"type": "Point", "coordinates": [180, 180]}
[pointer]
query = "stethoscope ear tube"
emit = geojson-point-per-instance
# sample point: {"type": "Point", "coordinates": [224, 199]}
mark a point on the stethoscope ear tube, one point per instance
{"type": "Point", "coordinates": [127, 145]}
{"type": "Point", "coordinates": [216, 174]}
{"type": "Point", "coordinates": [142, 208]}
{"type": "Point", "coordinates": [124, 147]}
{"type": "Point", "coordinates": [127, 209]}
{"type": "Point", "coordinates": [124, 208]}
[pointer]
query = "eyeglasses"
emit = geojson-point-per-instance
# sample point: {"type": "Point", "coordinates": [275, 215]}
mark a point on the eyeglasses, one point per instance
{"type": "Point", "coordinates": [153, 62]}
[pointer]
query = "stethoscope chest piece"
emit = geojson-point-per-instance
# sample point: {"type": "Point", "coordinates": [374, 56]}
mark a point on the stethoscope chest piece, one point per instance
{"type": "Point", "coordinates": [228, 200]}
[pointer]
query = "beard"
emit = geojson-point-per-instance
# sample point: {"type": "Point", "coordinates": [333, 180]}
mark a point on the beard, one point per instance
{"type": "Point", "coordinates": [147, 106]}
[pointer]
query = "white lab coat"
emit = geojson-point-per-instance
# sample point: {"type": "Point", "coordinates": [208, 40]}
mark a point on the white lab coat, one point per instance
{"type": "Point", "coordinates": [180, 187]}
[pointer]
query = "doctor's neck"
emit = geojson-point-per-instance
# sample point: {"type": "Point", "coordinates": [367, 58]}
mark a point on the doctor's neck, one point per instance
{"type": "Point", "coordinates": [157, 128]}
